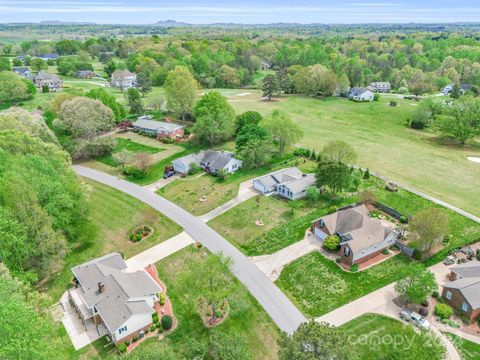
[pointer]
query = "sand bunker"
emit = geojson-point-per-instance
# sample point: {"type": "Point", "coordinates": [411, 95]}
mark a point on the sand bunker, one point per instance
{"type": "Point", "coordinates": [475, 159]}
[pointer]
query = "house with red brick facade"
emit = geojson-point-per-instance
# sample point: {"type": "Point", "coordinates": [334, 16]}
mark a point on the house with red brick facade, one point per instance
{"type": "Point", "coordinates": [161, 129]}
{"type": "Point", "coordinates": [361, 237]}
{"type": "Point", "coordinates": [463, 291]}
{"type": "Point", "coordinates": [116, 302]}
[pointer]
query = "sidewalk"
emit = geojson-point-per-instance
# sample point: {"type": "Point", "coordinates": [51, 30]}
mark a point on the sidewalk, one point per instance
{"type": "Point", "coordinates": [245, 192]}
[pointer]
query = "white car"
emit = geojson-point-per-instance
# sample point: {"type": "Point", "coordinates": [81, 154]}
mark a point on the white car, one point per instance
{"type": "Point", "coordinates": [415, 318]}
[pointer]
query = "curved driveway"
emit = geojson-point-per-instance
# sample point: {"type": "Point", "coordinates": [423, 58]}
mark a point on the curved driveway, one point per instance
{"type": "Point", "coordinates": [283, 312]}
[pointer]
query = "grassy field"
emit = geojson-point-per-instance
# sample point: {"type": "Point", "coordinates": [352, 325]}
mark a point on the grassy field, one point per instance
{"type": "Point", "coordinates": [187, 192]}
{"type": "Point", "coordinates": [113, 215]}
{"type": "Point", "coordinates": [129, 145]}
{"type": "Point", "coordinates": [384, 144]}
{"type": "Point", "coordinates": [377, 337]}
{"type": "Point", "coordinates": [282, 226]}
{"type": "Point", "coordinates": [468, 349]}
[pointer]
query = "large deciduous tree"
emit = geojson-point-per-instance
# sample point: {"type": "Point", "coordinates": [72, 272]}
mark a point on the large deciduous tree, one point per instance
{"type": "Point", "coordinates": [333, 176]}
{"type": "Point", "coordinates": [338, 151]}
{"type": "Point", "coordinates": [270, 86]}
{"type": "Point", "coordinates": [315, 341]}
{"type": "Point", "coordinates": [215, 119]}
{"type": "Point", "coordinates": [283, 130]}
{"type": "Point", "coordinates": [417, 285]}
{"type": "Point", "coordinates": [181, 91]}
{"type": "Point", "coordinates": [12, 88]}
{"type": "Point", "coordinates": [429, 226]}
{"type": "Point", "coordinates": [461, 120]}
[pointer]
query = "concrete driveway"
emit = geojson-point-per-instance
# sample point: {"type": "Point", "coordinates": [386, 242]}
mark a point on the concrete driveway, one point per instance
{"type": "Point", "coordinates": [273, 264]}
{"type": "Point", "coordinates": [282, 311]}
{"type": "Point", "coordinates": [158, 252]}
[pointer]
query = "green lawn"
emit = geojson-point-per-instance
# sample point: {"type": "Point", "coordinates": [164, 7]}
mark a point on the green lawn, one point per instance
{"type": "Point", "coordinates": [468, 349]}
{"type": "Point", "coordinates": [113, 215]}
{"type": "Point", "coordinates": [127, 144]}
{"type": "Point", "coordinates": [317, 285]}
{"type": "Point", "coordinates": [377, 337]}
{"type": "Point", "coordinates": [282, 227]}
{"type": "Point", "coordinates": [378, 133]}
{"type": "Point", "coordinates": [246, 321]}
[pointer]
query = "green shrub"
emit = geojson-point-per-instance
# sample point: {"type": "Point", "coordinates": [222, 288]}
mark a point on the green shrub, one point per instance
{"type": "Point", "coordinates": [331, 242]}
{"type": "Point", "coordinates": [354, 268]}
{"type": "Point", "coordinates": [435, 294]}
{"type": "Point", "coordinates": [162, 299]}
{"type": "Point", "coordinates": [135, 338]}
{"type": "Point", "coordinates": [218, 314]}
{"type": "Point", "coordinates": [385, 252]}
{"type": "Point", "coordinates": [332, 209]}
{"type": "Point", "coordinates": [127, 342]}
{"type": "Point", "coordinates": [160, 330]}
{"type": "Point", "coordinates": [366, 174]}
{"type": "Point", "coordinates": [167, 322]}
{"type": "Point", "coordinates": [444, 311]}
{"type": "Point", "coordinates": [122, 348]}
{"type": "Point", "coordinates": [451, 323]}
{"type": "Point", "coordinates": [393, 103]}
{"type": "Point", "coordinates": [138, 237]}
{"type": "Point", "coordinates": [155, 317]}
{"type": "Point", "coordinates": [152, 328]}
{"type": "Point", "coordinates": [403, 219]}
{"type": "Point", "coordinates": [158, 325]}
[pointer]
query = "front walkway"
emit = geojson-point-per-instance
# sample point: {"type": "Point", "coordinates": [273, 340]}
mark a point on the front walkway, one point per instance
{"type": "Point", "coordinates": [158, 252]}
{"type": "Point", "coordinates": [245, 192]}
{"type": "Point", "coordinates": [160, 183]}
{"type": "Point", "coordinates": [273, 264]}
{"type": "Point", "coordinates": [80, 336]}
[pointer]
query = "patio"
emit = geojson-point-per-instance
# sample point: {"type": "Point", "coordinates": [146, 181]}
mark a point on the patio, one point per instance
{"type": "Point", "coordinates": [80, 334]}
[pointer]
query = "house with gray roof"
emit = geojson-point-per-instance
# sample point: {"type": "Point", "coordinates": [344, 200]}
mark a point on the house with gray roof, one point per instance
{"type": "Point", "coordinates": [463, 291]}
{"type": "Point", "coordinates": [23, 71]}
{"type": "Point", "coordinates": [380, 86]}
{"type": "Point", "coordinates": [161, 129]}
{"type": "Point", "coordinates": [44, 78]}
{"type": "Point", "coordinates": [123, 79]}
{"type": "Point", "coordinates": [360, 94]}
{"type": "Point", "coordinates": [289, 183]}
{"type": "Point", "coordinates": [211, 161]}
{"type": "Point", "coordinates": [107, 295]}
{"type": "Point", "coordinates": [361, 237]}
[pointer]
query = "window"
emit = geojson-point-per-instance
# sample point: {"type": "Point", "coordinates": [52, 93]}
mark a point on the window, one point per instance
{"type": "Point", "coordinates": [448, 295]}
{"type": "Point", "coordinates": [346, 251]}
{"type": "Point", "coordinates": [465, 307]}
{"type": "Point", "coordinates": [123, 329]}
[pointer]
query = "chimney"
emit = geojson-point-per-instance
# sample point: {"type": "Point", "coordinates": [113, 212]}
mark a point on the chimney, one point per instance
{"type": "Point", "coordinates": [101, 287]}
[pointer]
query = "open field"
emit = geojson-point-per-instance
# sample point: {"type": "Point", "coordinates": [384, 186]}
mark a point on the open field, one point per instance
{"type": "Point", "coordinates": [467, 349]}
{"type": "Point", "coordinates": [384, 144]}
{"type": "Point", "coordinates": [128, 145]}
{"type": "Point", "coordinates": [113, 215]}
{"type": "Point", "coordinates": [376, 337]}
{"type": "Point", "coordinates": [308, 279]}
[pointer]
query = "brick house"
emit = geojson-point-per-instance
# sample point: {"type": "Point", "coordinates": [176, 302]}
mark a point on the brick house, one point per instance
{"type": "Point", "coordinates": [116, 302]}
{"type": "Point", "coordinates": [161, 129]}
{"type": "Point", "coordinates": [463, 291]}
{"type": "Point", "coordinates": [361, 237]}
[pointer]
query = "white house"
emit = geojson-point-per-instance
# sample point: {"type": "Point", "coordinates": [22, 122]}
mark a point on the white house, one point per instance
{"type": "Point", "coordinates": [360, 94]}
{"type": "Point", "coordinates": [289, 183]}
{"type": "Point", "coordinates": [210, 161]}
{"type": "Point", "coordinates": [123, 79]}
{"type": "Point", "coordinates": [108, 296]}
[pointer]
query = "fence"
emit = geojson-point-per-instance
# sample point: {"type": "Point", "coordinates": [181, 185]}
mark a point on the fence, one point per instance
{"type": "Point", "coordinates": [388, 210]}
{"type": "Point", "coordinates": [405, 249]}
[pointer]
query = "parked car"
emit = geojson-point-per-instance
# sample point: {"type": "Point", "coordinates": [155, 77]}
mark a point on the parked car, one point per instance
{"type": "Point", "coordinates": [414, 318]}
{"type": "Point", "coordinates": [449, 260]}
{"type": "Point", "coordinates": [168, 172]}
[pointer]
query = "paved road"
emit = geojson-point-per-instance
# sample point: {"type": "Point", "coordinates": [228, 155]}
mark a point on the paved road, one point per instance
{"type": "Point", "coordinates": [283, 312]}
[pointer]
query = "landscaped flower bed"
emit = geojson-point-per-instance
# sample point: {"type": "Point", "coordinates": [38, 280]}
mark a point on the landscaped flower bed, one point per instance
{"type": "Point", "coordinates": [140, 233]}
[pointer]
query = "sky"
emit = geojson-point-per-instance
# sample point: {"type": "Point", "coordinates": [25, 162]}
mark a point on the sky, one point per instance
{"type": "Point", "coordinates": [241, 11]}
